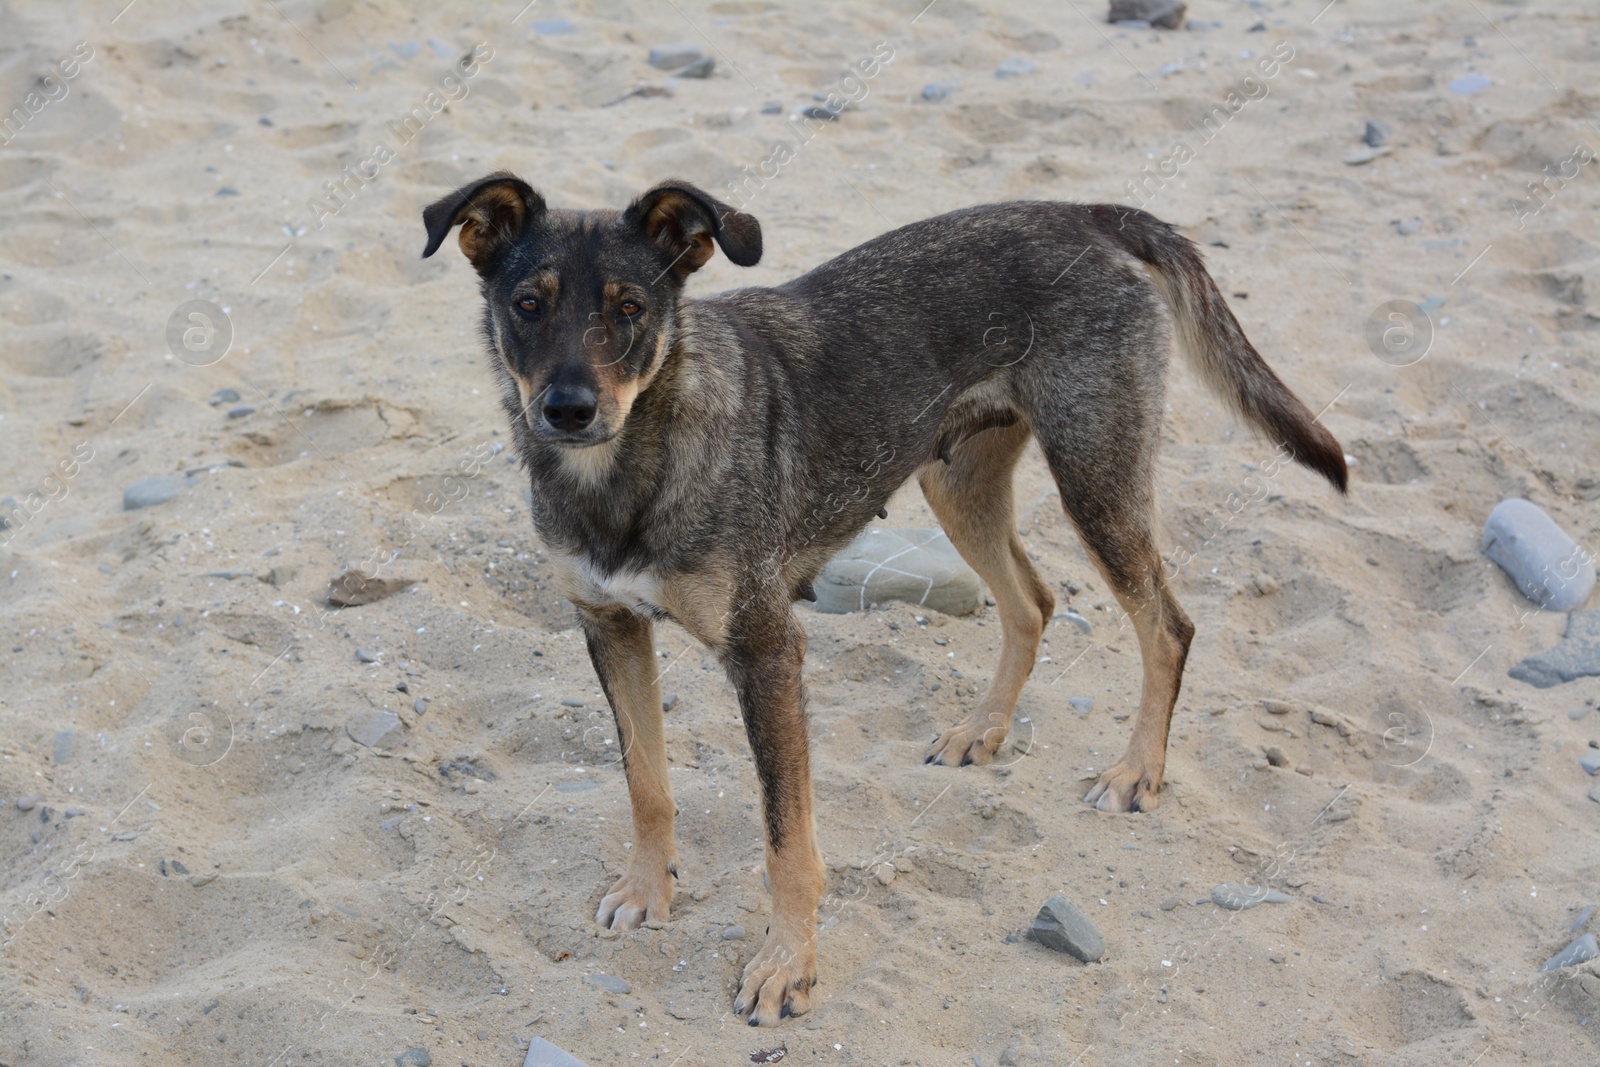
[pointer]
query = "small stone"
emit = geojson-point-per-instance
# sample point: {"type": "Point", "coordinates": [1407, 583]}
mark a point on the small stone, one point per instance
{"type": "Point", "coordinates": [61, 747]}
{"type": "Point", "coordinates": [178, 866]}
{"type": "Point", "coordinates": [1583, 917]}
{"type": "Point", "coordinates": [1168, 14]}
{"type": "Point", "coordinates": [1579, 714]}
{"type": "Point", "coordinates": [733, 933]}
{"type": "Point", "coordinates": [223, 396]}
{"type": "Point", "coordinates": [675, 56]}
{"type": "Point", "coordinates": [365, 656]}
{"type": "Point", "coordinates": [354, 585]}
{"type": "Point", "coordinates": [1279, 707]}
{"type": "Point", "coordinates": [1075, 619]}
{"type": "Point", "coordinates": [884, 874]}
{"type": "Point", "coordinates": [413, 1057]}
{"type": "Point", "coordinates": [1577, 656]}
{"type": "Point", "coordinates": [1061, 926]}
{"type": "Point", "coordinates": [1376, 134]}
{"type": "Point", "coordinates": [821, 114]}
{"type": "Point", "coordinates": [1545, 563]}
{"type": "Point", "coordinates": [669, 701]}
{"type": "Point", "coordinates": [149, 492]}
{"type": "Point", "coordinates": [420, 705]}
{"type": "Point", "coordinates": [1081, 705]}
{"type": "Point", "coordinates": [934, 92]}
{"type": "Point", "coordinates": [375, 728]}
{"type": "Point", "coordinates": [239, 411]}
{"type": "Point", "coordinates": [1010, 1057]}
{"type": "Point", "coordinates": [1582, 950]}
{"type": "Point", "coordinates": [1170, 903]}
{"type": "Point", "coordinates": [29, 802]}
{"type": "Point", "coordinates": [542, 1053]}
{"type": "Point", "coordinates": [391, 824]}
{"type": "Point", "coordinates": [1590, 761]}
{"type": "Point", "coordinates": [1407, 227]}
{"type": "Point", "coordinates": [1236, 896]}
{"type": "Point", "coordinates": [1469, 84]}
{"type": "Point", "coordinates": [610, 983]}
{"type": "Point", "coordinates": [700, 68]}
{"type": "Point", "coordinates": [571, 702]}
{"type": "Point", "coordinates": [1276, 757]}
{"type": "Point", "coordinates": [278, 576]}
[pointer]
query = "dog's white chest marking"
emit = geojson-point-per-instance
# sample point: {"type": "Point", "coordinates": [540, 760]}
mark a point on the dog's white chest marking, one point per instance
{"type": "Point", "coordinates": [639, 591]}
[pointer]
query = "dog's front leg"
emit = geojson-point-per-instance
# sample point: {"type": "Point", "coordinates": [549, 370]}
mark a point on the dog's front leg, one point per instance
{"type": "Point", "coordinates": [764, 664]}
{"type": "Point", "coordinates": [623, 652]}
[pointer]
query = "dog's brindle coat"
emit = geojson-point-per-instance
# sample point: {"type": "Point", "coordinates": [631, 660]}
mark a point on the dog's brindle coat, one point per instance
{"type": "Point", "coordinates": [700, 460]}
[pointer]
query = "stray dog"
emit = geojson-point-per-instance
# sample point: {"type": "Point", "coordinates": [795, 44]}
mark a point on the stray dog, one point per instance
{"type": "Point", "coordinates": [701, 460]}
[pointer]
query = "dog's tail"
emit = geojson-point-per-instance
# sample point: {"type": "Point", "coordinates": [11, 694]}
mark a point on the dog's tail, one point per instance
{"type": "Point", "coordinates": [1216, 343]}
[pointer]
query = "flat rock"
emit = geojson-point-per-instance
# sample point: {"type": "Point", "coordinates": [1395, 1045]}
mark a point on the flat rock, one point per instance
{"type": "Point", "coordinates": [1376, 134]}
{"type": "Point", "coordinates": [33, 800]}
{"type": "Point", "coordinates": [1236, 896]}
{"type": "Point", "coordinates": [733, 933]}
{"type": "Point", "coordinates": [224, 396]}
{"type": "Point", "coordinates": [1582, 950]}
{"type": "Point", "coordinates": [61, 747]}
{"type": "Point", "coordinates": [1590, 761]}
{"type": "Point", "coordinates": [918, 567]}
{"type": "Point", "coordinates": [542, 1053]}
{"type": "Point", "coordinates": [148, 492]}
{"type": "Point", "coordinates": [375, 728]}
{"type": "Point", "coordinates": [413, 1057]}
{"type": "Point", "coordinates": [675, 56]}
{"type": "Point", "coordinates": [1168, 14]}
{"type": "Point", "coordinates": [609, 982]}
{"type": "Point", "coordinates": [1548, 566]}
{"type": "Point", "coordinates": [1061, 926]}
{"type": "Point", "coordinates": [357, 584]}
{"type": "Point", "coordinates": [1577, 656]}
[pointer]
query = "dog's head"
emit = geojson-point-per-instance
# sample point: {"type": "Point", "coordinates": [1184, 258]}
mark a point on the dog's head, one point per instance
{"type": "Point", "coordinates": [581, 305]}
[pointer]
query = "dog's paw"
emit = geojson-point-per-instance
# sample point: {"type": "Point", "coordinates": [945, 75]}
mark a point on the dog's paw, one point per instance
{"type": "Point", "coordinates": [967, 743]}
{"type": "Point", "coordinates": [1126, 787]}
{"type": "Point", "coordinates": [641, 894]}
{"type": "Point", "coordinates": [777, 982]}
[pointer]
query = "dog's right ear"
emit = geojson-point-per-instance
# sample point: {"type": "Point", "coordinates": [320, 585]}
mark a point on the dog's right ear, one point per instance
{"type": "Point", "coordinates": [492, 212]}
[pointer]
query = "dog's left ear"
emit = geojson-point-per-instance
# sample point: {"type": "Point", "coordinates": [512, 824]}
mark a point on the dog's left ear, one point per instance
{"type": "Point", "coordinates": [683, 221]}
{"type": "Point", "coordinates": [492, 212]}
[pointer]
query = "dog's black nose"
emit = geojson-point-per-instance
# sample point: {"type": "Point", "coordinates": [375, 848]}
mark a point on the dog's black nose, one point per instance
{"type": "Point", "coordinates": [569, 408]}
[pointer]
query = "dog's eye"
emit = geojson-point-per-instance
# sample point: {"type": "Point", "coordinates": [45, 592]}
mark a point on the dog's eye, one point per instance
{"type": "Point", "coordinates": [630, 308]}
{"type": "Point", "coordinates": [528, 306]}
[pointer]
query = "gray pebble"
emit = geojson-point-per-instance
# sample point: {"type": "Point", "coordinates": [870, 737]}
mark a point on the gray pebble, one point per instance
{"type": "Point", "coordinates": [1577, 656]}
{"type": "Point", "coordinates": [148, 492]}
{"type": "Point", "coordinates": [610, 983]}
{"type": "Point", "coordinates": [1061, 926]}
{"type": "Point", "coordinates": [1170, 903]}
{"type": "Point", "coordinates": [1579, 714]}
{"type": "Point", "coordinates": [413, 1057]}
{"type": "Point", "coordinates": [1583, 917]}
{"type": "Point", "coordinates": [700, 68]}
{"type": "Point", "coordinates": [1547, 565]}
{"type": "Point", "coordinates": [375, 728]}
{"type": "Point", "coordinates": [733, 933]}
{"type": "Point", "coordinates": [675, 56]}
{"type": "Point", "coordinates": [419, 705]}
{"type": "Point", "coordinates": [542, 1053]}
{"type": "Point", "coordinates": [61, 747]}
{"type": "Point", "coordinates": [1582, 950]}
{"type": "Point", "coordinates": [1081, 705]}
{"type": "Point", "coordinates": [1075, 619]}
{"type": "Point", "coordinates": [391, 824]}
{"type": "Point", "coordinates": [239, 411]}
{"type": "Point", "coordinates": [820, 113]}
{"type": "Point", "coordinates": [1168, 14]}
{"type": "Point", "coordinates": [29, 802]}
{"type": "Point", "coordinates": [1276, 757]}
{"type": "Point", "coordinates": [224, 396]}
{"type": "Point", "coordinates": [1590, 761]}
{"type": "Point", "coordinates": [1010, 1057]}
{"type": "Point", "coordinates": [1376, 134]}
{"type": "Point", "coordinates": [669, 701]}
{"type": "Point", "coordinates": [571, 702]}
{"type": "Point", "coordinates": [366, 657]}
{"type": "Point", "coordinates": [1236, 896]}
{"type": "Point", "coordinates": [1407, 227]}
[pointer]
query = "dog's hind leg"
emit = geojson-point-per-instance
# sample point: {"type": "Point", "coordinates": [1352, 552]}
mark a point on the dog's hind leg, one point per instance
{"type": "Point", "coordinates": [623, 652]}
{"type": "Point", "coordinates": [972, 497]}
{"type": "Point", "coordinates": [1106, 478]}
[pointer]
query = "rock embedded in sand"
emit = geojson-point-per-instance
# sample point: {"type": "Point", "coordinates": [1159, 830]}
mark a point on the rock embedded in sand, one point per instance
{"type": "Point", "coordinates": [1577, 656]}
{"type": "Point", "coordinates": [1590, 761]}
{"type": "Point", "coordinates": [413, 1057]}
{"type": "Point", "coordinates": [675, 56]}
{"type": "Point", "coordinates": [542, 1053]}
{"type": "Point", "coordinates": [363, 656]}
{"type": "Point", "coordinates": [918, 567]}
{"type": "Point", "coordinates": [1236, 896]}
{"type": "Point", "coordinates": [29, 802]}
{"type": "Point", "coordinates": [1548, 566]}
{"type": "Point", "coordinates": [609, 982]}
{"type": "Point", "coordinates": [1168, 14]}
{"type": "Point", "coordinates": [148, 492]}
{"type": "Point", "coordinates": [733, 933]}
{"type": "Point", "coordinates": [1582, 950]}
{"type": "Point", "coordinates": [375, 728]}
{"type": "Point", "coordinates": [356, 584]}
{"type": "Point", "coordinates": [1061, 926]}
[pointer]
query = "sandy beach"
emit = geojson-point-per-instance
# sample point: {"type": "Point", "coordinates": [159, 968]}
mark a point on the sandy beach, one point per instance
{"type": "Point", "coordinates": [241, 825]}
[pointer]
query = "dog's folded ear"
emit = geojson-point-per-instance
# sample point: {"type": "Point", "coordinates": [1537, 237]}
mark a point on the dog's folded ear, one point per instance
{"type": "Point", "coordinates": [683, 221]}
{"type": "Point", "coordinates": [492, 212]}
